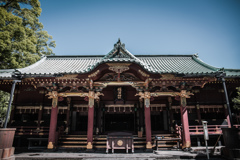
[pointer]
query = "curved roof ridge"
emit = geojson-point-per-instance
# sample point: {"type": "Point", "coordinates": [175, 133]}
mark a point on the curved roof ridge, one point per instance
{"type": "Point", "coordinates": [198, 60]}
{"type": "Point", "coordinates": [230, 69]}
{"type": "Point", "coordinates": [164, 55]}
{"type": "Point", "coordinates": [32, 65]}
{"type": "Point", "coordinates": [75, 56]}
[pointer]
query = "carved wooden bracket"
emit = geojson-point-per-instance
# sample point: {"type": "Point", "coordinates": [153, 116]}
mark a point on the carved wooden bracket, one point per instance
{"type": "Point", "coordinates": [184, 94]}
{"type": "Point", "coordinates": [144, 95]}
{"type": "Point", "coordinates": [91, 95]}
{"type": "Point", "coordinates": [54, 96]}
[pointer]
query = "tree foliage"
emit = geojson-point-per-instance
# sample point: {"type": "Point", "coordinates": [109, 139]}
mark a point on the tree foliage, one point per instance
{"type": "Point", "coordinates": [236, 100]}
{"type": "Point", "coordinates": [22, 38]}
{"type": "Point", "coordinates": [4, 98]}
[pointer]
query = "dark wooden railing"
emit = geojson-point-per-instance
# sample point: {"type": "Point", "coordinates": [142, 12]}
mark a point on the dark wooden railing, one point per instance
{"type": "Point", "coordinates": [31, 130]}
{"type": "Point", "coordinates": [212, 129]}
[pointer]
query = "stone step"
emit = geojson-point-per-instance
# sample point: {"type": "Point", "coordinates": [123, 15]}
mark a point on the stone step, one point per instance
{"type": "Point", "coordinates": [72, 138]}
{"type": "Point", "coordinates": [99, 141]}
{"type": "Point", "coordinates": [73, 142]}
{"type": "Point", "coordinates": [73, 146]}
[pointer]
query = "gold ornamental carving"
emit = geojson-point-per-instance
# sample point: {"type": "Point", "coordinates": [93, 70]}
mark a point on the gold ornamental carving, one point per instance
{"type": "Point", "coordinates": [143, 95]}
{"type": "Point", "coordinates": [93, 74]}
{"type": "Point", "coordinates": [68, 77]}
{"type": "Point", "coordinates": [118, 67]}
{"type": "Point", "coordinates": [143, 73]}
{"type": "Point", "coordinates": [97, 94]}
{"type": "Point", "coordinates": [81, 94]}
{"type": "Point", "coordinates": [91, 95]}
{"type": "Point", "coordinates": [69, 94]}
{"type": "Point", "coordinates": [184, 94]}
{"type": "Point", "coordinates": [168, 77]}
{"type": "Point", "coordinates": [146, 96]}
{"type": "Point", "coordinates": [119, 143]}
{"type": "Point", "coordinates": [54, 96]}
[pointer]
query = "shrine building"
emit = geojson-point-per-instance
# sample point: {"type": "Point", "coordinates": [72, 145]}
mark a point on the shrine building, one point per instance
{"type": "Point", "coordinates": [77, 101]}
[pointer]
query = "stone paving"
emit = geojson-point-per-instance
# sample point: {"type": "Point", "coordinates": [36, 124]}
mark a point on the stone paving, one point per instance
{"type": "Point", "coordinates": [116, 156]}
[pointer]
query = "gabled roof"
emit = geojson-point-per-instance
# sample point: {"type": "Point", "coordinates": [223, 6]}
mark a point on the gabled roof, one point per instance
{"type": "Point", "coordinates": [120, 54]}
{"type": "Point", "coordinates": [176, 64]}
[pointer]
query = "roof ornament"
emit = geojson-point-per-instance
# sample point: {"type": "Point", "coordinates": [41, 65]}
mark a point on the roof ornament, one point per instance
{"type": "Point", "coordinates": [196, 55]}
{"type": "Point", "coordinates": [119, 44]}
{"type": "Point", "coordinates": [43, 56]}
{"type": "Point", "coordinates": [221, 69]}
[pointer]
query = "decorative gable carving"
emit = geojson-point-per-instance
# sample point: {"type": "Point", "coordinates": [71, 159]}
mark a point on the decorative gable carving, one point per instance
{"type": "Point", "coordinates": [123, 77]}
{"type": "Point", "coordinates": [118, 67]}
{"type": "Point", "coordinates": [119, 51]}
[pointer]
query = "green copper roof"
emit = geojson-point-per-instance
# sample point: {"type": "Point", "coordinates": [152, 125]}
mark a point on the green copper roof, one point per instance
{"type": "Point", "coordinates": [178, 64]}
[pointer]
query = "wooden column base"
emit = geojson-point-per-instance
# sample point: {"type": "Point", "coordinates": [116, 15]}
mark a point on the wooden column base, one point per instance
{"type": "Point", "coordinates": [50, 145]}
{"type": "Point", "coordinates": [89, 145]}
{"type": "Point", "coordinates": [187, 145]}
{"type": "Point", "coordinates": [148, 145]}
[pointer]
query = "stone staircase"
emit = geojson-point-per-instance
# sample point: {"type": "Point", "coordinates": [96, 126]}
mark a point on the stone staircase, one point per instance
{"type": "Point", "coordinates": [99, 141]}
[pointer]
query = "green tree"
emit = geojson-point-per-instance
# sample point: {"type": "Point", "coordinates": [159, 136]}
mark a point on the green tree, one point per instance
{"type": "Point", "coordinates": [236, 100]}
{"type": "Point", "coordinates": [22, 38]}
{"type": "Point", "coordinates": [4, 98]}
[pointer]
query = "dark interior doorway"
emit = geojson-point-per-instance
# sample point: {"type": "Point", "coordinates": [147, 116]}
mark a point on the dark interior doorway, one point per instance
{"type": "Point", "coordinates": [119, 122]}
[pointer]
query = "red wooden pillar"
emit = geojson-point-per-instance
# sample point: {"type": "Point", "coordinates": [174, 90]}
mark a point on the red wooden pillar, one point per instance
{"type": "Point", "coordinates": [227, 116]}
{"type": "Point", "coordinates": [185, 125]}
{"type": "Point", "coordinates": [53, 121]}
{"type": "Point", "coordinates": [148, 130]}
{"type": "Point", "coordinates": [90, 120]}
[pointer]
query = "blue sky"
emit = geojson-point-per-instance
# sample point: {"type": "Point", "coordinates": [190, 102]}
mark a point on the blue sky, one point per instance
{"type": "Point", "coordinates": [210, 28]}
